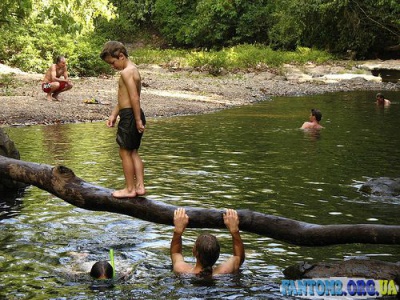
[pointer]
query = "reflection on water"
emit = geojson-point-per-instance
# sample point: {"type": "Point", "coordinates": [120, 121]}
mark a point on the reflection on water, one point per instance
{"type": "Point", "coordinates": [253, 157]}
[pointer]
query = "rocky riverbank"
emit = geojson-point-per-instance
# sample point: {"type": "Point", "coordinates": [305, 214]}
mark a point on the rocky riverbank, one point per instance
{"type": "Point", "coordinates": [169, 92]}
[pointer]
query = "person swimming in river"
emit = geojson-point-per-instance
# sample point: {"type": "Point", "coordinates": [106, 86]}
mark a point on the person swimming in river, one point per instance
{"type": "Point", "coordinates": [315, 118]}
{"type": "Point", "coordinates": [102, 270]}
{"type": "Point", "coordinates": [380, 100]}
{"type": "Point", "coordinates": [80, 268]}
{"type": "Point", "coordinates": [206, 249]}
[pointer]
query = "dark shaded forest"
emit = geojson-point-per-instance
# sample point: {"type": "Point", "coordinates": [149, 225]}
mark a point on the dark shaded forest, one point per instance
{"type": "Point", "coordinates": [33, 32]}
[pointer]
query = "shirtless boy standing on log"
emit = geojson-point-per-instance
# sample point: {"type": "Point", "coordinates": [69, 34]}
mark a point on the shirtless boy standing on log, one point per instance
{"type": "Point", "coordinates": [132, 119]}
{"type": "Point", "coordinates": [52, 84]}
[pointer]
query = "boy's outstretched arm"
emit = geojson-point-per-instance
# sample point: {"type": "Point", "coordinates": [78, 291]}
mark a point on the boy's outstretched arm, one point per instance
{"type": "Point", "coordinates": [181, 220]}
{"type": "Point", "coordinates": [233, 264]}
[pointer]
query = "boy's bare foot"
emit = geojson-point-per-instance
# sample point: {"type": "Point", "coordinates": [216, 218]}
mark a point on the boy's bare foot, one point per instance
{"type": "Point", "coordinates": [49, 97]}
{"type": "Point", "coordinates": [124, 194]}
{"type": "Point", "coordinates": [140, 190]}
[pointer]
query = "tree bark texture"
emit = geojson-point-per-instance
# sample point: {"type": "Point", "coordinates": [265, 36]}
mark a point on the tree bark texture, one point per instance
{"type": "Point", "coordinates": [62, 182]}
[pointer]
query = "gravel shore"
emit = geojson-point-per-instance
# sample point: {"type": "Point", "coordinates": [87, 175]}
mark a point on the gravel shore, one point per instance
{"type": "Point", "coordinates": [169, 92]}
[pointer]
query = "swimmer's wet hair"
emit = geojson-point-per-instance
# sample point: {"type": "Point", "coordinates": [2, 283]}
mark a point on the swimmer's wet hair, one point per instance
{"type": "Point", "coordinates": [317, 114]}
{"type": "Point", "coordinates": [102, 269]}
{"type": "Point", "coordinates": [207, 248]}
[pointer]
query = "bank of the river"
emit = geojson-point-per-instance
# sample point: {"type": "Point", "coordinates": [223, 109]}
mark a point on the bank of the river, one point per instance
{"type": "Point", "coordinates": [175, 92]}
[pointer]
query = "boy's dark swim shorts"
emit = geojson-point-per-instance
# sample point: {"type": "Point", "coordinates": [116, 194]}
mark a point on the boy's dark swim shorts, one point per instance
{"type": "Point", "coordinates": [128, 137]}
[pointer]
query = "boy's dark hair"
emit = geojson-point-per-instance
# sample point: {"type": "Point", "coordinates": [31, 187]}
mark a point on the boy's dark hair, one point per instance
{"type": "Point", "coordinates": [380, 95]}
{"type": "Point", "coordinates": [317, 114]}
{"type": "Point", "coordinates": [113, 49]}
{"type": "Point", "coordinates": [208, 249]}
{"type": "Point", "coordinates": [102, 269]}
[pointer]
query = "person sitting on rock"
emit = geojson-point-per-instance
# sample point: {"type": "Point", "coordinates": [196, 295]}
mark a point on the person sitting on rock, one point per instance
{"type": "Point", "coordinates": [315, 118]}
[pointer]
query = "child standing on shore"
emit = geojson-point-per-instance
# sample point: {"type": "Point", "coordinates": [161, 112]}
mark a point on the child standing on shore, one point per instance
{"type": "Point", "coordinates": [132, 119]}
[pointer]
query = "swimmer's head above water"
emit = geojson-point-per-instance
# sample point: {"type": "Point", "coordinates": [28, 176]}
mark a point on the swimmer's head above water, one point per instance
{"type": "Point", "coordinates": [102, 270]}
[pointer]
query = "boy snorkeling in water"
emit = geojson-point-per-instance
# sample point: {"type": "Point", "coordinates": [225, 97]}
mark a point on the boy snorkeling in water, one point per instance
{"type": "Point", "coordinates": [102, 270]}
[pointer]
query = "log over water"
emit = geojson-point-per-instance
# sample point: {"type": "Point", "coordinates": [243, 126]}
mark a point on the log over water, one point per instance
{"type": "Point", "coordinates": [62, 182]}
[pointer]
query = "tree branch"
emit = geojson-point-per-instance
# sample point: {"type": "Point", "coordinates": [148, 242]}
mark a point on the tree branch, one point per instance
{"type": "Point", "coordinates": [62, 182]}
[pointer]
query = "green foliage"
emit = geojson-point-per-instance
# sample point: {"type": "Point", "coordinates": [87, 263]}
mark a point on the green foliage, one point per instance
{"type": "Point", "coordinates": [238, 57]}
{"type": "Point", "coordinates": [19, 49]}
{"type": "Point", "coordinates": [176, 57]}
{"type": "Point", "coordinates": [286, 30]}
{"type": "Point", "coordinates": [36, 49]}
{"type": "Point", "coordinates": [254, 57]}
{"type": "Point", "coordinates": [253, 23]}
{"type": "Point", "coordinates": [12, 11]}
{"type": "Point", "coordinates": [56, 27]}
{"type": "Point", "coordinates": [72, 16]}
{"type": "Point", "coordinates": [213, 62]}
{"type": "Point", "coordinates": [85, 59]}
{"type": "Point", "coordinates": [337, 26]}
{"type": "Point", "coordinates": [132, 16]}
{"type": "Point", "coordinates": [34, 32]}
{"type": "Point", "coordinates": [173, 18]}
{"type": "Point", "coordinates": [212, 23]}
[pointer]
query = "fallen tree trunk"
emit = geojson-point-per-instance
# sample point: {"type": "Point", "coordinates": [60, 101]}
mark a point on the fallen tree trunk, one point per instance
{"type": "Point", "coordinates": [62, 182]}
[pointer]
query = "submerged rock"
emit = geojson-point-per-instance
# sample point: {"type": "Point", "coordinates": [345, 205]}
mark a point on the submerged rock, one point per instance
{"type": "Point", "coordinates": [7, 147]}
{"type": "Point", "coordinates": [363, 268]}
{"type": "Point", "coordinates": [382, 186]}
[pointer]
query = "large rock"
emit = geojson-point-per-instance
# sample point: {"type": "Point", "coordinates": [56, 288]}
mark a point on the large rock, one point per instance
{"type": "Point", "coordinates": [362, 268]}
{"type": "Point", "coordinates": [388, 70]}
{"type": "Point", "coordinates": [382, 186]}
{"type": "Point", "coordinates": [7, 148]}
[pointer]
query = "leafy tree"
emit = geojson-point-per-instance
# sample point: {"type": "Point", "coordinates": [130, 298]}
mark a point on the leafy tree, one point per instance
{"type": "Point", "coordinates": [254, 22]}
{"type": "Point", "coordinates": [11, 11]}
{"type": "Point", "coordinates": [133, 16]}
{"type": "Point", "coordinates": [71, 16]}
{"type": "Point", "coordinates": [44, 29]}
{"type": "Point", "coordinates": [173, 18]}
{"type": "Point", "coordinates": [215, 22]}
{"type": "Point", "coordinates": [32, 32]}
{"type": "Point", "coordinates": [338, 26]}
{"type": "Point", "coordinates": [212, 23]}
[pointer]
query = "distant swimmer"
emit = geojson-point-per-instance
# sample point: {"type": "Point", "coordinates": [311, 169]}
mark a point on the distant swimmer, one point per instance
{"type": "Point", "coordinates": [315, 118]}
{"type": "Point", "coordinates": [380, 100]}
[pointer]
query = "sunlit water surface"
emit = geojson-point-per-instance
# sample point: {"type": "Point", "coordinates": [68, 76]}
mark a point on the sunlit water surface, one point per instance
{"type": "Point", "coordinates": [252, 157]}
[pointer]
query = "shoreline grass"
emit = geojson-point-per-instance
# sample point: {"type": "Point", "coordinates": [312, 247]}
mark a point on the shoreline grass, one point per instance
{"type": "Point", "coordinates": [234, 58]}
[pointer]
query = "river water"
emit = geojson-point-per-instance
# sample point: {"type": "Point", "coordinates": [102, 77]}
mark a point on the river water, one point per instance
{"type": "Point", "coordinates": [252, 157]}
